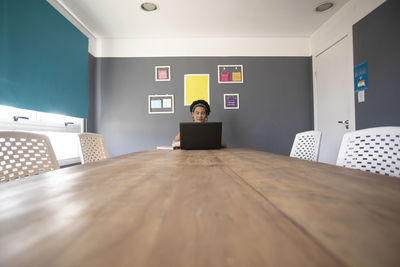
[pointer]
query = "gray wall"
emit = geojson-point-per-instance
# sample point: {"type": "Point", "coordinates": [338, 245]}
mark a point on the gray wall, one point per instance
{"type": "Point", "coordinates": [377, 41]}
{"type": "Point", "coordinates": [275, 101]}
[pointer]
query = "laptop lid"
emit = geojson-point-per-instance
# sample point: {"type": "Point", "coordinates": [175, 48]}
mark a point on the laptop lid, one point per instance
{"type": "Point", "coordinates": [205, 135]}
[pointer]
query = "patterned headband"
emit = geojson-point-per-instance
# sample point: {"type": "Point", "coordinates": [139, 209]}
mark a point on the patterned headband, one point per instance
{"type": "Point", "coordinates": [199, 105]}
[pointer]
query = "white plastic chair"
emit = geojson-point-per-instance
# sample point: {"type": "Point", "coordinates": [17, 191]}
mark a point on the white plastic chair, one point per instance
{"type": "Point", "coordinates": [93, 147]}
{"type": "Point", "coordinates": [306, 145]}
{"type": "Point", "coordinates": [375, 150]}
{"type": "Point", "coordinates": [25, 154]}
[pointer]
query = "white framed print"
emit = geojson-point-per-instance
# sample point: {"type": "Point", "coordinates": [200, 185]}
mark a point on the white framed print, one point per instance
{"type": "Point", "coordinates": [231, 101]}
{"type": "Point", "coordinates": [161, 104]}
{"type": "Point", "coordinates": [230, 73]}
{"type": "Point", "coordinates": [163, 73]}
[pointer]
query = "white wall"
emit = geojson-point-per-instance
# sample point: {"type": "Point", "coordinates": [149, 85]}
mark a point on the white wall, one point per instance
{"type": "Point", "coordinates": [330, 33]}
{"type": "Point", "coordinates": [338, 26]}
{"type": "Point", "coordinates": [341, 24]}
{"type": "Point", "coordinates": [182, 47]}
{"type": "Point", "coordinates": [334, 29]}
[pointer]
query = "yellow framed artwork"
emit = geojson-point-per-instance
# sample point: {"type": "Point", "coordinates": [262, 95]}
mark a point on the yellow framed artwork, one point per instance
{"type": "Point", "coordinates": [197, 86]}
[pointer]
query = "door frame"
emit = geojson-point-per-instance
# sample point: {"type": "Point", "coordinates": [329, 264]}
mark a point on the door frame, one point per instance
{"type": "Point", "coordinates": [350, 86]}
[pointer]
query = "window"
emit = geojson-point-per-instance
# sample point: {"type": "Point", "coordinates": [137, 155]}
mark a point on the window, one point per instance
{"type": "Point", "coordinates": [62, 130]}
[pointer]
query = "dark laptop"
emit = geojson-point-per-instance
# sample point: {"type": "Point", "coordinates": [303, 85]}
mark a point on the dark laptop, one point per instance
{"type": "Point", "coordinates": [205, 135]}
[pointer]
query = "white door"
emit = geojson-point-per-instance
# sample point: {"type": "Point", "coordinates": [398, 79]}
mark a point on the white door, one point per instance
{"type": "Point", "coordinates": [334, 97]}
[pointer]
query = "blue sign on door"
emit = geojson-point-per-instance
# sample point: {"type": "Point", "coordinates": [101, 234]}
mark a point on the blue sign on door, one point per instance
{"type": "Point", "coordinates": [361, 77]}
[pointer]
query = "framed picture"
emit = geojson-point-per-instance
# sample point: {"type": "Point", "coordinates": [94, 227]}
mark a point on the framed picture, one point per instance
{"type": "Point", "coordinates": [230, 73]}
{"type": "Point", "coordinates": [163, 73]}
{"type": "Point", "coordinates": [361, 77]}
{"type": "Point", "coordinates": [161, 104]}
{"type": "Point", "coordinates": [197, 86]}
{"type": "Point", "coordinates": [231, 101]}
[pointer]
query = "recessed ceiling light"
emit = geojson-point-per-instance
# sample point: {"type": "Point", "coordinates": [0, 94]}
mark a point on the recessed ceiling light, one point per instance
{"type": "Point", "coordinates": [148, 6]}
{"type": "Point", "coordinates": [324, 6]}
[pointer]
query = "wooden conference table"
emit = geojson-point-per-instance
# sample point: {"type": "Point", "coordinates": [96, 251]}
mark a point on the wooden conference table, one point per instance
{"type": "Point", "coordinates": [230, 207]}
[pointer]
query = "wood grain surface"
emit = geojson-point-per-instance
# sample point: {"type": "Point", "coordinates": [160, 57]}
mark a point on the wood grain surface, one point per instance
{"type": "Point", "coordinates": [228, 207]}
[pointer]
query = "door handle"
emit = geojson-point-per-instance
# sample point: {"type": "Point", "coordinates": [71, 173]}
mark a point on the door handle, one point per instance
{"type": "Point", "coordinates": [16, 118]}
{"type": "Point", "coordinates": [346, 123]}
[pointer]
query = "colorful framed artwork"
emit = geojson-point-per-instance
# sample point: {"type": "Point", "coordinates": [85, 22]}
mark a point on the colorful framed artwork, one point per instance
{"type": "Point", "coordinates": [161, 104]}
{"type": "Point", "coordinates": [361, 77]}
{"type": "Point", "coordinates": [197, 86]}
{"type": "Point", "coordinates": [163, 73]}
{"type": "Point", "coordinates": [231, 101]}
{"type": "Point", "coordinates": [230, 73]}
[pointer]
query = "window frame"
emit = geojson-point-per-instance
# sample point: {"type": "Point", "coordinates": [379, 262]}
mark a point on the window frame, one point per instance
{"type": "Point", "coordinates": [38, 122]}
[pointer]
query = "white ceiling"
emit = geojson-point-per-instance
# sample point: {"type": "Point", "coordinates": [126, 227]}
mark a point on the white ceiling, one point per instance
{"type": "Point", "coordinates": [200, 18]}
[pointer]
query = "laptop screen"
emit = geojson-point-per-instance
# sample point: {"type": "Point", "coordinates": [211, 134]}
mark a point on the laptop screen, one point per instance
{"type": "Point", "coordinates": [205, 135]}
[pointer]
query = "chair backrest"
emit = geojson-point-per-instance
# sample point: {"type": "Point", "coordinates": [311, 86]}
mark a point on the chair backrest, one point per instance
{"type": "Point", "coordinates": [93, 147]}
{"type": "Point", "coordinates": [306, 145]}
{"type": "Point", "coordinates": [25, 154]}
{"type": "Point", "coordinates": [375, 150]}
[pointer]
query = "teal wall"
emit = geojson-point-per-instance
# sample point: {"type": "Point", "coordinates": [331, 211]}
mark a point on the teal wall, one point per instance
{"type": "Point", "coordinates": [43, 59]}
